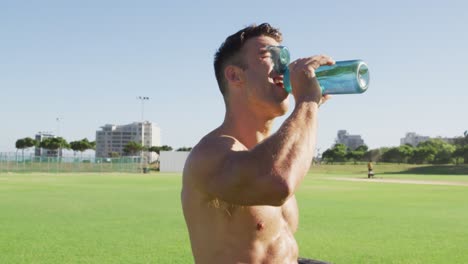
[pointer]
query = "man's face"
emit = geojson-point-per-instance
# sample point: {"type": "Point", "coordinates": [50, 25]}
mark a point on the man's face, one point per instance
{"type": "Point", "coordinates": [263, 86]}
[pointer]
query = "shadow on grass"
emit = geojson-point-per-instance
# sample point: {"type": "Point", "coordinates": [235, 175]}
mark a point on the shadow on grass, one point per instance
{"type": "Point", "coordinates": [435, 169]}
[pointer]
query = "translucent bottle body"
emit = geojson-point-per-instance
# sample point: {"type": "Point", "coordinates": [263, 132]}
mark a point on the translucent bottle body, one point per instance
{"type": "Point", "coordinates": [345, 77]}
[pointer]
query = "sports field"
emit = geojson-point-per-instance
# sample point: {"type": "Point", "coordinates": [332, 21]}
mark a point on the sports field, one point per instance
{"type": "Point", "coordinates": [137, 218]}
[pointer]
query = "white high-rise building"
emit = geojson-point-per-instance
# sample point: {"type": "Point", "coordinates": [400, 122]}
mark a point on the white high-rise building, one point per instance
{"type": "Point", "coordinates": [413, 139]}
{"type": "Point", "coordinates": [351, 141]}
{"type": "Point", "coordinates": [113, 138]}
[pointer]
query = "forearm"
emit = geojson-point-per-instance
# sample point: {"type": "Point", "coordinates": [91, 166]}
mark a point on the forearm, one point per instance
{"type": "Point", "coordinates": [292, 146]}
{"type": "Point", "coordinates": [288, 153]}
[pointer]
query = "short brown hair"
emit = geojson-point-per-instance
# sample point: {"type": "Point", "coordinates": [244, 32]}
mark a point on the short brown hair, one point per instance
{"type": "Point", "coordinates": [229, 50]}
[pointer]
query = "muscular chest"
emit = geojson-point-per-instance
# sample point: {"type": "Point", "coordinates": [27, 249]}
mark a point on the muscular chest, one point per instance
{"type": "Point", "coordinates": [268, 219]}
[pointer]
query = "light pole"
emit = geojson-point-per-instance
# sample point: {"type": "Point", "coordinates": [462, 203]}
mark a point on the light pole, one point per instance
{"type": "Point", "coordinates": [142, 99]}
{"type": "Point", "coordinates": [317, 156]}
{"type": "Point", "coordinates": [59, 152]}
{"type": "Point", "coordinates": [58, 119]}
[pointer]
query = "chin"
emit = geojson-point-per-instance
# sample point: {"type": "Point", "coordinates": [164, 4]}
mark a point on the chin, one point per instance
{"type": "Point", "coordinates": [282, 108]}
{"type": "Point", "coordinates": [283, 111]}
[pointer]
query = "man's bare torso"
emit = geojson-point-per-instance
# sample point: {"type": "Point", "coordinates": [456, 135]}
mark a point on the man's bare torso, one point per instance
{"type": "Point", "coordinates": [224, 233]}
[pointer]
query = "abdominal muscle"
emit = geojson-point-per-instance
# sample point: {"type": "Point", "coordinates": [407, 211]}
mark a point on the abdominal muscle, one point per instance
{"type": "Point", "coordinates": [222, 233]}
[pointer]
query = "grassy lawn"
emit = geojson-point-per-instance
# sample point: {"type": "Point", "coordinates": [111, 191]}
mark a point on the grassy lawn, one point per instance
{"type": "Point", "coordinates": [132, 218]}
{"type": "Point", "coordinates": [363, 222]}
{"type": "Point", "coordinates": [91, 218]}
{"type": "Point", "coordinates": [394, 171]}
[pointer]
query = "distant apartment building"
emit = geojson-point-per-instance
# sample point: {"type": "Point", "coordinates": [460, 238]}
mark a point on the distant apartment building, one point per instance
{"type": "Point", "coordinates": [351, 141]}
{"type": "Point", "coordinates": [41, 152]}
{"type": "Point", "coordinates": [112, 139]}
{"type": "Point", "coordinates": [413, 139]}
{"type": "Point", "coordinates": [446, 139]}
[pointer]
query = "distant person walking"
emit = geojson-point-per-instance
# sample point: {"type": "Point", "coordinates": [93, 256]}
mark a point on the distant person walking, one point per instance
{"type": "Point", "coordinates": [370, 169]}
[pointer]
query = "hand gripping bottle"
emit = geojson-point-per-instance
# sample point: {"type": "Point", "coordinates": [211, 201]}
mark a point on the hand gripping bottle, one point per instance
{"type": "Point", "coordinates": [345, 77]}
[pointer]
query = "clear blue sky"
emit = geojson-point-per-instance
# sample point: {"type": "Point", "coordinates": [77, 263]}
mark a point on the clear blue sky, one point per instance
{"type": "Point", "coordinates": [87, 61]}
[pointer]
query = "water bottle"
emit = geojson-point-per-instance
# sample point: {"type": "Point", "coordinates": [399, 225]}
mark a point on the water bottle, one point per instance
{"type": "Point", "coordinates": [345, 77]}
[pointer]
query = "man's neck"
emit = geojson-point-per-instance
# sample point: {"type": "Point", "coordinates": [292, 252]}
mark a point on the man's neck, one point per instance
{"type": "Point", "coordinates": [247, 127]}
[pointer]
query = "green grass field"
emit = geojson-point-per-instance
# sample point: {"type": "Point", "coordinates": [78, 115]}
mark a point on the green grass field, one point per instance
{"type": "Point", "coordinates": [134, 218]}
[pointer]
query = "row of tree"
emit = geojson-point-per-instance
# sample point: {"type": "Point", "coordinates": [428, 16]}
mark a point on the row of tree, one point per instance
{"type": "Point", "coordinates": [133, 148]}
{"type": "Point", "coordinates": [433, 151]}
{"type": "Point", "coordinates": [58, 143]}
{"type": "Point", "coordinates": [55, 144]}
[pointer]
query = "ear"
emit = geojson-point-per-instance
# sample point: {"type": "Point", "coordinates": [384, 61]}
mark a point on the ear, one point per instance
{"type": "Point", "coordinates": [234, 74]}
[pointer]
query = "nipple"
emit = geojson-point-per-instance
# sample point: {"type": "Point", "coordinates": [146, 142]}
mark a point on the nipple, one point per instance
{"type": "Point", "coordinates": [260, 226]}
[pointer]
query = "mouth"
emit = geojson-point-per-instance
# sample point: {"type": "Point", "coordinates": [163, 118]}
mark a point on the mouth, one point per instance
{"type": "Point", "coordinates": [278, 80]}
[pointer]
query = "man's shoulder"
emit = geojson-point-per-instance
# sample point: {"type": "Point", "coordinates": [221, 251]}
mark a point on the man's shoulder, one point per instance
{"type": "Point", "coordinates": [211, 150]}
{"type": "Point", "coordinates": [214, 146]}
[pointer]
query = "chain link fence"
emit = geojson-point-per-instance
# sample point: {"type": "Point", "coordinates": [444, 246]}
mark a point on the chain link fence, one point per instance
{"type": "Point", "coordinates": [18, 162]}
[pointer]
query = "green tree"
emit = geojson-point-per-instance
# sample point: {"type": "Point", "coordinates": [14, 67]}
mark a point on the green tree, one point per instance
{"type": "Point", "coordinates": [461, 145]}
{"type": "Point", "coordinates": [406, 151]}
{"type": "Point", "coordinates": [425, 152]}
{"type": "Point", "coordinates": [20, 144]}
{"type": "Point", "coordinates": [327, 156]}
{"type": "Point", "coordinates": [461, 141]}
{"type": "Point", "coordinates": [132, 148]}
{"type": "Point", "coordinates": [444, 154]}
{"type": "Point", "coordinates": [26, 143]}
{"type": "Point", "coordinates": [157, 149]}
{"type": "Point", "coordinates": [461, 152]}
{"type": "Point", "coordinates": [184, 149]}
{"type": "Point", "coordinates": [362, 148]}
{"type": "Point", "coordinates": [398, 155]}
{"type": "Point", "coordinates": [390, 155]}
{"type": "Point", "coordinates": [440, 151]}
{"type": "Point", "coordinates": [82, 145]}
{"type": "Point", "coordinates": [340, 152]}
{"type": "Point", "coordinates": [357, 154]}
{"type": "Point", "coordinates": [422, 155]}
{"type": "Point", "coordinates": [375, 154]}
{"type": "Point", "coordinates": [29, 142]}
{"type": "Point", "coordinates": [75, 146]}
{"type": "Point", "coordinates": [55, 144]}
{"type": "Point", "coordinates": [114, 154]}
{"type": "Point", "coordinates": [335, 154]}
{"type": "Point", "coordinates": [154, 149]}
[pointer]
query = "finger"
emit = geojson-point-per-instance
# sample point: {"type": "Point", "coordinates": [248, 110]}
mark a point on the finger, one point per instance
{"type": "Point", "coordinates": [299, 63]}
{"type": "Point", "coordinates": [327, 60]}
{"type": "Point", "coordinates": [331, 62]}
{"type": "Point", "coordinates": [312, 63]}
{"type": "Point", "coordinates": [318, 60]}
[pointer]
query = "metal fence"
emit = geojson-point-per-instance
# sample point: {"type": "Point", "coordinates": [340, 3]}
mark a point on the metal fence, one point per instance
{"type": "Point", "coordinates": [17, 162]}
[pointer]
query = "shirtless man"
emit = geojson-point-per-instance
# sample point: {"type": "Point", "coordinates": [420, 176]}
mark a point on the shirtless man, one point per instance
{"type": "Point", "coordinates": [239, 180]}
